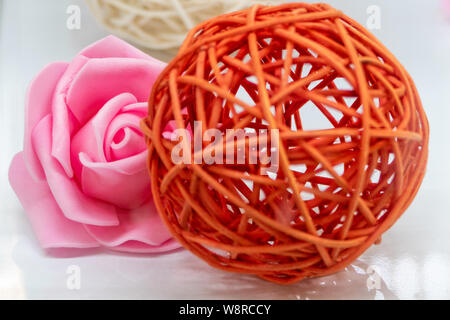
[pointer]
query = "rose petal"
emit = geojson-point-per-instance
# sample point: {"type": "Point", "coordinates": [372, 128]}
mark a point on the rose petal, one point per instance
{"type": "Point", "coordinates": [130, 144]}
{"type": "Point", "coordinates": [90, 138]}
{"type": "Point", "coordinates": [140, 108]}
{"type": "Point", "coordinates": [74, 204]}
{"type": "Point", "coordinates": [128, 166]}
{"type": "Point", "coordinates": [52, 228]}
{"type": "Point", "coordinates": [38, 105]}
{"type": "Point", "coordinates": [101, 79]}
{"type": "Point", "coordinates": [139, 247]}
{"type": "Point", "coordinates": [64, 123]}
{"type": "Point", "coordinates": [140, 225]}
{"type": "Point", "coordinates": [106, 181]}
{"type": "Point", "coordinates": [113, 47]}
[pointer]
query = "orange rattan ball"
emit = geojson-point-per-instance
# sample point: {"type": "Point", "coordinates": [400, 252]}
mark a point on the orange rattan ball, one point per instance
{"type": "Point", "coordinates": [342, 181]}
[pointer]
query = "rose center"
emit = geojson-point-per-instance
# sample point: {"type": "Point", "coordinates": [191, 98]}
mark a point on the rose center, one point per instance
{"type": "Point", "coordinates": [123, 138]}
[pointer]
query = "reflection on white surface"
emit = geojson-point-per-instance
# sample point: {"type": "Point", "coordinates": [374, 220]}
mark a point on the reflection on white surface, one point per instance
{"type": "Point", "coordinates": [413, 260]}
{"type": "Point", "coordinates": [405, 277]}
{"type": "Point", "coordinates": [11, 280]}
{"type": "Point", "coordinates": [436, 276]}
{"type": "Point", "coordinates": [178, 275]}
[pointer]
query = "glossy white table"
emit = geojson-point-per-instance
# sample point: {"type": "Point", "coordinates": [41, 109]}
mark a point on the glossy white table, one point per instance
{"type": "Point", "coordinates": [413, 261]}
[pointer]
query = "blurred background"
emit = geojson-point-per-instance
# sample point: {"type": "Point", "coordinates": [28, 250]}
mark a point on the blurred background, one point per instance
{"type": "Point", "coordinates": [412, 262]}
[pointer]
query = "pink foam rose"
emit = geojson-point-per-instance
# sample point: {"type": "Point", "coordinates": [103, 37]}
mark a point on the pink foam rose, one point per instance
{"type": "Point", "coordinates": [82, 175]}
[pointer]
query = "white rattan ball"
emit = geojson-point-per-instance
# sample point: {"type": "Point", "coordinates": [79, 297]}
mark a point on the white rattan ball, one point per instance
{"type": "Point", "coordinates": [161, 24]}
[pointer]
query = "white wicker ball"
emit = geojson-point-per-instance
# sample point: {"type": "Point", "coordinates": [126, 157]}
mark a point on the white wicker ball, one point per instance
{"type": "Point", "coordinates": [161, 24]}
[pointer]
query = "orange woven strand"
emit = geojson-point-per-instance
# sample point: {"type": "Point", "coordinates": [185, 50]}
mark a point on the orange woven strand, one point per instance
{"type": "Point", "coordinates": [286, 58]}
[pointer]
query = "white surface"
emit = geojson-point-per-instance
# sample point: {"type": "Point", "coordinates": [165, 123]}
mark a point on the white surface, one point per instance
{"type": "Point", "coordinates": [413, 261]}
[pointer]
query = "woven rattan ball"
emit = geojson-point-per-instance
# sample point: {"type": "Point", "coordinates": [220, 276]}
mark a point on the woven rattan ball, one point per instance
{"type": "Point", "coordinates": [339, 185]}
{"type": "Point", "coordinates": [160, 24]}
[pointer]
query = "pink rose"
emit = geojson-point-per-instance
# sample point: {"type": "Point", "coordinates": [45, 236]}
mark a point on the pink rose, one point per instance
{"type": "Point", "coordinates": [82, 176]}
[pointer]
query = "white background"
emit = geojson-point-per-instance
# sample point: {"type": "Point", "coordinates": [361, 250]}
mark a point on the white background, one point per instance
{"type": "Point", "coordinates": [413, 261]}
